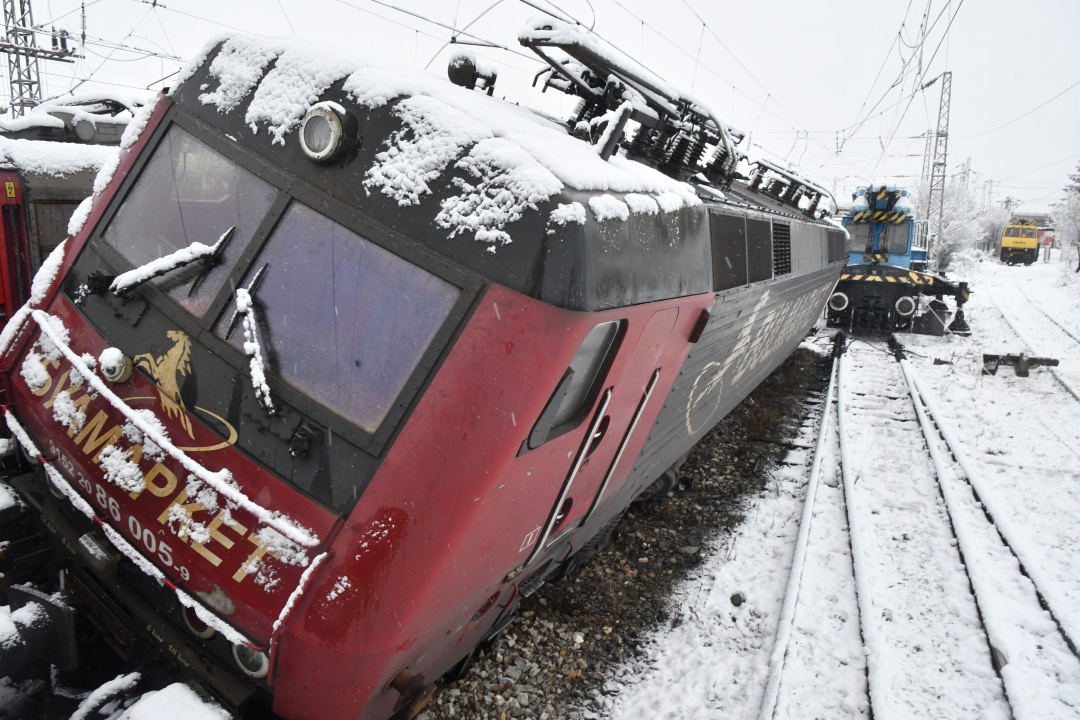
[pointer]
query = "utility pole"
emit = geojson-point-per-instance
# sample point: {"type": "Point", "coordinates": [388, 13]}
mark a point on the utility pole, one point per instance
{"type": "Point", "coordinates": [20, 45]}
{"type": "Point", "coordinates": [965, 173]}
{"type": "Point", "coordinates": [937, 165]}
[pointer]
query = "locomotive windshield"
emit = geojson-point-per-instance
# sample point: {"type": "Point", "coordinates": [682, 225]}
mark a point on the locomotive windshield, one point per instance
{"type": "Point", "coordinates": [860, 236]}
{"type": "Point", "coordinates": [189, 193]}
{"type": "Point", "coordinates": [1013, 232]}
{"type": "Point", "coordinates": [341, 319]}
{"type": "Point", "coordinates": [893, 237]}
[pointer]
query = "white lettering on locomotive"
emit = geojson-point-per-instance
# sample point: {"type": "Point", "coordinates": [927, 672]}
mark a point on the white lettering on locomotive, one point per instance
{"type": "Point", "coordinates": [100, 433]}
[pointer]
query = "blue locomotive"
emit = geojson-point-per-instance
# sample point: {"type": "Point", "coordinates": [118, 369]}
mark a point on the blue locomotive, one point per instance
{"type": "Point", "coordinates": [885, 286]}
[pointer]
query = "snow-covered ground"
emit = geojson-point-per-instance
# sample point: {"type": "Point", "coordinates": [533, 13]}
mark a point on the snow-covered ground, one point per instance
{"type": "Point", "coordinates": [939, 583]}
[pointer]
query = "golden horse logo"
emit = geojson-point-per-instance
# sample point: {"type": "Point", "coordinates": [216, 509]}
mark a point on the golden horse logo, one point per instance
{"type": "Point", "coordinates": [166, 370]}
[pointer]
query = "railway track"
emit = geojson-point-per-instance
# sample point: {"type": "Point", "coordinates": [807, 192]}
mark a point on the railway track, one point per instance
{"type": "Point", "coordinates": [957, 612]}
{"type": "Point", "coordinates": [1042, 311]}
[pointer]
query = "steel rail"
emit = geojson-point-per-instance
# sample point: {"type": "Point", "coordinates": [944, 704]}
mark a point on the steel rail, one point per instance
{"type": "Point", "coordinates": [791, 593]}
{"type": "Point", "coordinates": [1049, 317]}
{"type": "Point", "coordinates": [875, 678]}
{"type": "Point", "coordinates": [978, 585]}
{"type": "Point", "coordinates": [995, 513]}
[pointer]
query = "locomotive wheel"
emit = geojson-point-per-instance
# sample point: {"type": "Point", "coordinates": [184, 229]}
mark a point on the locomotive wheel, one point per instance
{"type": "Point", "coordinates": [660, 488]}
{"type": "Point", "coordinates": [573, 565]}
{"type": "Point", "coordinates": [463, 666]}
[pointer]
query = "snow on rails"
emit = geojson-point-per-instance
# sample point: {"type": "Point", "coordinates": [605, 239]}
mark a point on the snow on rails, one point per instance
{"type": "Point", "coordinates": [959, 614]}
{"type": "Point", "coordinates": [932, 575]}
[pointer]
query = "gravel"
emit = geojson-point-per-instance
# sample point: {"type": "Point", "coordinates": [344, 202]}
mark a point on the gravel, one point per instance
{"type": "Point", "coordinates": [571, 636]}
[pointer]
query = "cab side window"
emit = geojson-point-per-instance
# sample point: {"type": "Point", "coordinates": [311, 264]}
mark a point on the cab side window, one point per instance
{"type": "Point", "coordinates": [578, 386]}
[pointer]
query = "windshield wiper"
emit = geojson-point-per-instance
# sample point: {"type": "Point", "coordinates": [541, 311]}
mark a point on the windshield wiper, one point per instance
{"type": "Point", "coordinates": [252, 286]}
{"type": "Point", "coordinates": [211, 254]}
{"type": "Point", "coordinates": [245, 310]}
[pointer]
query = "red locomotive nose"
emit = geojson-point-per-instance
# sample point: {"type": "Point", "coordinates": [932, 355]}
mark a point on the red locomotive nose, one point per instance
{"type": "Point", "coordinates": [184, 512]}
{"type": "Point", "coordinates": [346, 362]}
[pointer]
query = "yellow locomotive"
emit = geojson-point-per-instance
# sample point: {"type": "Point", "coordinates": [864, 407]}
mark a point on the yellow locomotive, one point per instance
{"type": "Point", "coordinates": [1020, 243]}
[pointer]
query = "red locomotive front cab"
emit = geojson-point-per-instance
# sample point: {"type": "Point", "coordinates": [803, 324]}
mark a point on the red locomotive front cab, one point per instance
{"type": "Point", "coordinates": [173, 528]}
{"type": "Point", "coordinates": [323, 388]}
{"type": "Point", "coordinates": [330, 462]}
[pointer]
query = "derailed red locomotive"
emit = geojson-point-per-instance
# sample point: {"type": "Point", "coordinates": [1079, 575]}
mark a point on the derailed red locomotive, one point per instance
{"type": "Point", "coordinates": [345, 361]}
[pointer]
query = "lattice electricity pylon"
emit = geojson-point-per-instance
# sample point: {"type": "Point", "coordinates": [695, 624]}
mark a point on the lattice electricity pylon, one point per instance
{"type": "Point", "coordinates": [937, 166]}
{"type": "Point", "coordinates": [20, 45]}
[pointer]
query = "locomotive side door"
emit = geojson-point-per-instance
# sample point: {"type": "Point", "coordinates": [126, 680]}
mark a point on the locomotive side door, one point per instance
{"type": "Point", "coordinates": [601, 458]}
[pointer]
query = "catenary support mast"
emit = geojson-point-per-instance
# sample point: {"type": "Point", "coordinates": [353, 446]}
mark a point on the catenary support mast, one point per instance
{"type": "Point", "coordinates": [20, 45]}
{"type": "Point", "coordinates": [937, 166]}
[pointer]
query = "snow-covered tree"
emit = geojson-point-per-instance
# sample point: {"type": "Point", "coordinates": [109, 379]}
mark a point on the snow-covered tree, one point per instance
{"type": "Point", "coordinates": [1066, 220]}
{"type": "Point", "coordinates": [1074, 181]}
{"type": "Point", "coordinates": [964, 222]}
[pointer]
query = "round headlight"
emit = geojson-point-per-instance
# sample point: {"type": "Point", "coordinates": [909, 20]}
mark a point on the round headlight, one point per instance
{"type": "Point", "coordinates": [252, 662]}
{"type": "Point", "coordinates": [838, 302]}
{"type": "Point", "coordinates": [115, 366]}
{"type": "Point", "coordinates": [322, 133]}
{"type": "Point", "coordinates": [85, 130]}
{"type": "Point", "coordinates": [905, 306]}
{"type": "Point", "coordinates": [197, 627]}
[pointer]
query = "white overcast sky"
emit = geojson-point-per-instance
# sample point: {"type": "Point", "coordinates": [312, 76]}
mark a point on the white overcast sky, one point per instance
{"type": "Point", "coordinates": [829, 87]}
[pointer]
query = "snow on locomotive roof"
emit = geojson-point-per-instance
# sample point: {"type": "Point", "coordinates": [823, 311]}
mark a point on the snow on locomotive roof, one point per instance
{"type": "Point", "coordinates": [539, 156]}
{"type": "Point", "coordinates": [44, 157]}
{"type": "Point", "coordinates": [91, 106]}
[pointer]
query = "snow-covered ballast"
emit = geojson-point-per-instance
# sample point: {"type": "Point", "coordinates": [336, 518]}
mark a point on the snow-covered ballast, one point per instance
{"type": "Point", "coordinates": [342, 361]}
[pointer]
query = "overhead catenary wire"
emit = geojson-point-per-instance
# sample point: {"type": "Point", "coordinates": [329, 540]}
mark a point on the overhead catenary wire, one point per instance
{"type": "Point", "coordinates": [809, 147]}
{"type": "Point", "coordinates": [919, 81]}
{"type": "Point", "coordinates": [924, 32]}
{"type": "Point", "coordinates": [768, 93]}
{"type": "Point", "coordinates": [1021, 117]}
{"type": "Point", "coordinates": [484, 41]}
{"type": "Point", "coordinates": [75, 86]}
{"type": "Point", "coordinates": [93, 75]}
{"type": "Point", "coordinates": [286, 16]}
{"type": "Point", "coordinates": [157, 5]}
{"type": "Point", "coordinates": [901, 76]}
{"type": "Point", "coordinates": [680, 49]}
{"type": "Point", "coordinates": [917, 88]}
